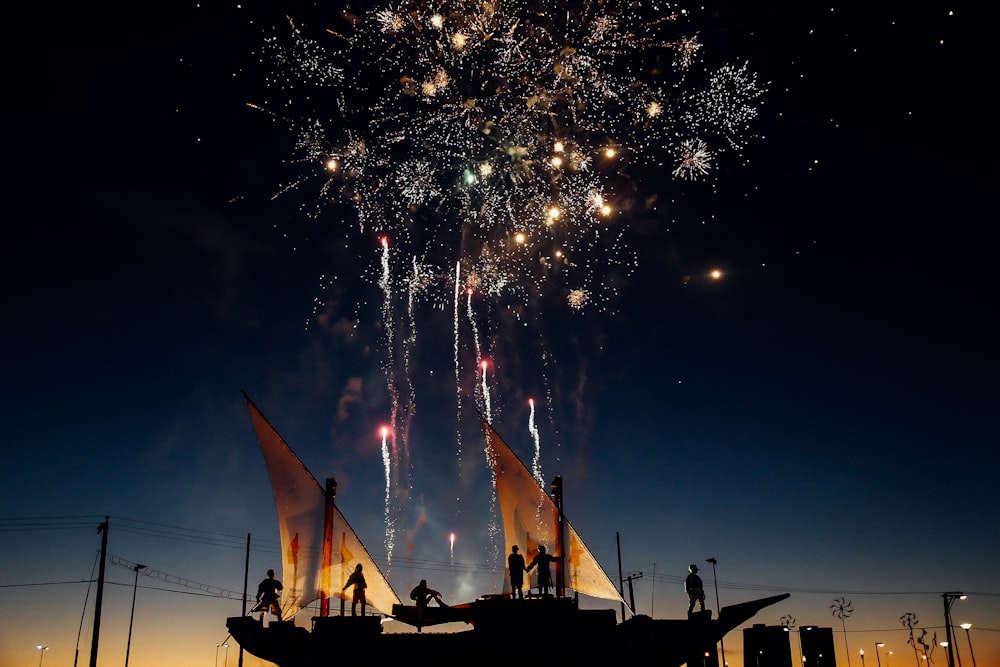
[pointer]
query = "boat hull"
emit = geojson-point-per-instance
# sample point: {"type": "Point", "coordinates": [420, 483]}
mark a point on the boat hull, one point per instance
{"type": "Point", "coordinates": [568, 635]}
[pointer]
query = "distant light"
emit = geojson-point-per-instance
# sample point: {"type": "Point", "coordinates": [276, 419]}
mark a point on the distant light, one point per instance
{"type": "Point", "coordinates": [965, 626]}
{"type": "Point", "coordinates": [332, 165]}
{"type": "Point", "coordinates": [715, 274]}
{"type": "Point", "coordinates": [609, 152]}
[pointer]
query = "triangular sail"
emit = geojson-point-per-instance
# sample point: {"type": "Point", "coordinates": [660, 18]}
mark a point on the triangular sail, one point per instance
{"type": "Point", "coordinates": [302, 506]}
{"type": "Point", "coordinates": [529, 519]}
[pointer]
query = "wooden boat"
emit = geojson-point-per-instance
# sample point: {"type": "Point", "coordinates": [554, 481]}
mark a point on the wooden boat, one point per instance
{"type": "Point", "coordinates": [553, 626]}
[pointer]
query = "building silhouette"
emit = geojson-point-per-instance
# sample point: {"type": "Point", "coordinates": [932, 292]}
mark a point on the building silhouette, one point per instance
{"type": "Point", "coordinates": [766, 646]}
{"type": "Point", "coordinates": [817, 647]}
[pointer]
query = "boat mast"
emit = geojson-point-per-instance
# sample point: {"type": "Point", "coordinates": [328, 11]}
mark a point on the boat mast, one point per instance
{"type": "Point", "coordinates": [331, 494]}
{"type": "Point", "coordinates": [557, 498]}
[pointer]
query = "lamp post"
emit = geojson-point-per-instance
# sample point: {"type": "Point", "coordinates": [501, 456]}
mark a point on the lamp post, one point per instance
{"type": "Point", "coordinates": [949, 600]}
{"type": "Point", "coordinates": [226, 646]}
{"type": "Point", "coordinates": [135, 586]}
{"type": "Point", "coordinates": [945, 646]}
{"type": "Point", "coordinates": [862, 652]}
{"type": "Point", "coordinates": [41, 653]}
{"type": "Point", "coordinates": [878, 659]}
{"type": "Point", "coordinates": [216, 663]}
{"type": "Point", "coordinates": [967, 627]}
{"type": "Point", "coordinates": [718, 607]}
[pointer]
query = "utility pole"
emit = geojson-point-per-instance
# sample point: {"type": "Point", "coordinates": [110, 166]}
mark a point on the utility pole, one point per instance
{"type": "Point", "coordinates": [631, 593]}
{"type": "Point", "coordinates": [103, 529]}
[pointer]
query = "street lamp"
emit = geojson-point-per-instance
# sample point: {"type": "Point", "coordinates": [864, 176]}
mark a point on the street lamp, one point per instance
{"type": "Point", "coordinates": [216, 663]}
{"type": "Point", "coordinates": [878, 659]}
{"type": "Point", "coordinates": [226, 646]}
{"type": "Point", "coordinates": [949, 600]}
{"type": "Point", "coordinates": [967, 627]}
{"type": "Point", "coordinates": [41, 653]}
{"type": "Point", "coordinates": [718, 607]}
{"type": "Point", "coordinates": [862, 652]}
{"type": "Point", "coordinates": [135, 586]}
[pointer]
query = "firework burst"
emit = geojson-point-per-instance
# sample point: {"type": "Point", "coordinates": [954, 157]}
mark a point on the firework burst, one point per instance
{"type": "Point", "coordinates": [484, 146]}
{"type": "Point", "coordinates": [483, 132]}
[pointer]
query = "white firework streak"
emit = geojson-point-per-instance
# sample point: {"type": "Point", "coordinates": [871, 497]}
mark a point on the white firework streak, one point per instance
{"type": "Point", "coordinates": [386, 284]}
{"type": "Point", "coordinates": [536, 463]}
{"type": "Point", "coordinates": [390, 531]}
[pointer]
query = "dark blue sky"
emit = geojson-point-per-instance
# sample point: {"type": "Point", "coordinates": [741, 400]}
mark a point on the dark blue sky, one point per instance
{"type": "Point", "coordinates": [821, 420]}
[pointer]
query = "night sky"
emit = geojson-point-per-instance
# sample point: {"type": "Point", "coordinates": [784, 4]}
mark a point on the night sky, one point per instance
{"type": "Point", "coordinates": [820, 419]}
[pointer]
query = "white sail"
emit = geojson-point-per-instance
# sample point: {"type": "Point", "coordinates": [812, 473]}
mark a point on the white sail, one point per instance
{"type": "Point", "coordinates": [529, 519]}
{"type": "Point", "coordinates": [317, 557]}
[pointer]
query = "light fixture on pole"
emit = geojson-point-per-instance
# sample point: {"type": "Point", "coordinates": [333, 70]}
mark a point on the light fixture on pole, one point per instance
{"type": "Point", "coordinates": [949, 600]}
{"type": "Point", "coordinates": [878, 645]}
{"type": "Point", "coordinates": [41, 652]}
{"type": "Point", "coordinates": [862, 652]}
{"type": "Point", "coordinates": [216, 663]}
{"type": "Point", "coordinates": [718, 608]}
{"type": "Point", "coordinates": [226, 646]}
{"type": "Point", "coordinates": [967, 627]}
{"type": "Point", "coordinates": [135, 586]}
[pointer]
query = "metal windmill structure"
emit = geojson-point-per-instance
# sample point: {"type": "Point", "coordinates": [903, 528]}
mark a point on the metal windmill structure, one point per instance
{"type": "Point", "coordinates": [842, 609]}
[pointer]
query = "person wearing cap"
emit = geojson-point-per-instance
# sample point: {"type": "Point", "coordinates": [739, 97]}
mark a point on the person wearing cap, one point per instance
{"type": "Point", "coordinates": [268, 596]}
{"type": "Point", "coordinates": [694, 589]}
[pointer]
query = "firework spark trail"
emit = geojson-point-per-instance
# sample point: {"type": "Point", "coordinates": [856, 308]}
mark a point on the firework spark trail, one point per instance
{"type": "Point", "coordinates": [536, 462]}
{"type": "Point", "coordinates": [390, 456]}
{"type": "Point", "coordinates": [485, 392]}
{"type": "Point", "coordinates": [457, 349]}
{"type": "Point", "coordinates": [390, 530]}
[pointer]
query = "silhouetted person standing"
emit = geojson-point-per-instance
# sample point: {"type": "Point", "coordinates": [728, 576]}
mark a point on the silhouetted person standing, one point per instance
{"type": "Point", "coordinates": [357, 579]}
{"type": "Point", "coordinates": [515, 564]}
{"type": "Point", "coordinates": [268, 597]}
{"type": "Point", "coordinates": [694, 589]}
{"type": "Point", "coordinates": [542, 560]}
